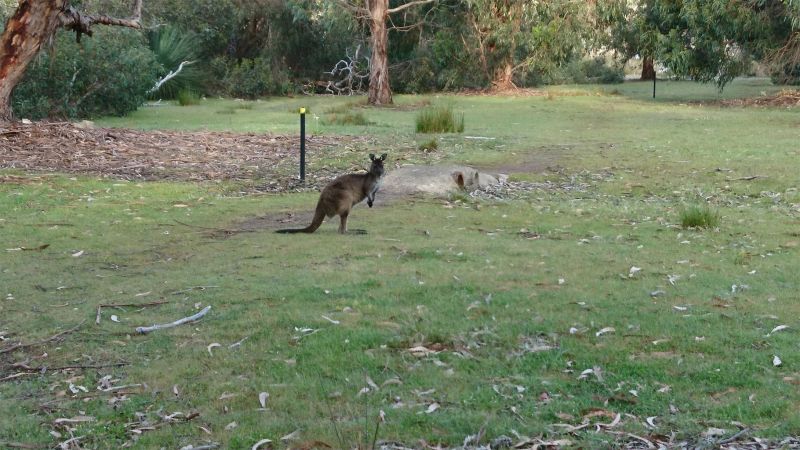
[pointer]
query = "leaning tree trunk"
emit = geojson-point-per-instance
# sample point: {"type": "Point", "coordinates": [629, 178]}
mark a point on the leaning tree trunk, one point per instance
{"type": "Point", "coordinates": [648, 69]}
{"type": "Point", "coordinates": [380, 93]}
{"type": "Point", "coordinates": [32, 25]}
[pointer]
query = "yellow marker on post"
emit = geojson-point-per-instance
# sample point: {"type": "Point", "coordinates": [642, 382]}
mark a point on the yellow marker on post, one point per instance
{"type": "Point", "coordinates": [302, 110]}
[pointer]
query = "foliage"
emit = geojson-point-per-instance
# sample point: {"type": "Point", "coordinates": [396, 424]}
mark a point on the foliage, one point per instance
{"type": "Point", "coordinates": [699, 217]}
{"type": "Point", "coordinates": [439, 119]}
{"type": "Point", "coordinates": [108, 74]}
{"type": "Point", "coordinates": [590, 70]}
{"type": "Point", "coordinates": [513, 38]}
{"type": "Point", "coordinates": [171, 48]}
{"type": "Point", "coordinates": [249, 78]}
{"type": "Point", "coordinates": [187, 97]}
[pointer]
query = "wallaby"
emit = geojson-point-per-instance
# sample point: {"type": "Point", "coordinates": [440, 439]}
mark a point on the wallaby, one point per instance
{"type": "Point", "coordinates": [341, 194]}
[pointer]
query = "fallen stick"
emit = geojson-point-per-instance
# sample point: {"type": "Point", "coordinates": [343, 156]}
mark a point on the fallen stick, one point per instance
{"type": "Point", "coordinates": [43, 341]}
{"type": "Point", "coordinates": [145, 330]}
{"type": "Point", "coordinates": [119, 305]}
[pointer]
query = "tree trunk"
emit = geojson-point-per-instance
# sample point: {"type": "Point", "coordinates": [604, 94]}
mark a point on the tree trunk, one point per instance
{"type": "Point", "coordinates": [648, 70]}
{"type": "Point", "coordinates": [504, 77]}
{"type": "Point", "coordinates": [380, 92]}
{"type": "Point", "coordinates": [33, 24]}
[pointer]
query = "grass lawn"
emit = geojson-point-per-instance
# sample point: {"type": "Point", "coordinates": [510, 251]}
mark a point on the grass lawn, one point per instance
{"type": "Point", "coordinates": [578, 300]}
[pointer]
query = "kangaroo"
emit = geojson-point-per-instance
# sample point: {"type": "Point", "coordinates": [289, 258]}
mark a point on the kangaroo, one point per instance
{"type": "Point", "coordinates": [341, 194]}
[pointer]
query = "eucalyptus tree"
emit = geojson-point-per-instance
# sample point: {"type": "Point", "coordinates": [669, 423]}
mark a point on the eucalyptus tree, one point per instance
{"type": "Point", "coordinates": [515, 37]}
{"type": "Point", "coordinates": [32, 25]}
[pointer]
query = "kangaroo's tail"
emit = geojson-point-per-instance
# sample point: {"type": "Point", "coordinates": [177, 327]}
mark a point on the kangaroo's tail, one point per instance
{"type": "Point", "coordinates": [319, 216]}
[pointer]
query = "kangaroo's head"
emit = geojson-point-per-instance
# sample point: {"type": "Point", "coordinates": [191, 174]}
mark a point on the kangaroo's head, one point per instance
{"type": "Point", "coordinates": [377, 164]}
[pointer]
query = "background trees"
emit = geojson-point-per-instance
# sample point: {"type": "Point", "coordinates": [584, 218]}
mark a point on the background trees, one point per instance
{"type": "Point", "coordinates": [252, 48]}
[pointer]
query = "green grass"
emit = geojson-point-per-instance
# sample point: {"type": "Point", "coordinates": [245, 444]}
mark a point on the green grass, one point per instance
{"type": "Point", "coordinates": [476, 280]}
{"type": "Point", "coordinates": [439, 119]}
{"type": "Point", "coordinates": [188, 98]}
{"type": "Point", "coordinates": [699, 217]}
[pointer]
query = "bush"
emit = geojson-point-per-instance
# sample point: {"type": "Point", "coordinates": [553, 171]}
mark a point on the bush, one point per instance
{"type": "Point", "coordinates": [699, 217]}
{"type": "Point", "coordinates": [585, 71]}
{"type": "Point", "coordinates": [250, 78]}
{"type": "Point", "coordinates": [108, 74]}
{"type": "Point", "coordinates": [172, 47]}
{"type": "Point", "coordinates": [439, 119]}
{"type": "Point", "coordinates": [187, 98]}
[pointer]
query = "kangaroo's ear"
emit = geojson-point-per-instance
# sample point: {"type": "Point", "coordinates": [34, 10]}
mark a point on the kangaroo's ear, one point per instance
{"type": "Point", "coordinates": [383, 157]}
{"type": "Point", "coordinates": [372, 156]}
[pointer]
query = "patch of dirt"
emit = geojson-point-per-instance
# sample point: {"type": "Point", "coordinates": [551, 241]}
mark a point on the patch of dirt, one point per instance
{"type": "Point", "coordinates": [539, 160]}
{"type": "Point", "coordinates": [167, 155]}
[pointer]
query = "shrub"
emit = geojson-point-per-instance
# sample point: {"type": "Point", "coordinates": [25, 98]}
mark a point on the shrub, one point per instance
{"type": "Point", "coordinates": [172, 47]}
{"type": "Point", "coordinates": [108, 74]}
{"type": "Point", "coordinates": [250, 78]}
{"type": "Point", "coordinates": [699, 217]}
{"type": "Point", "coordinates": [187, 97]}
{"type": "Point", "coordinates": [430, 146]}
{"type": "Point", "coordinates": [439, 119]}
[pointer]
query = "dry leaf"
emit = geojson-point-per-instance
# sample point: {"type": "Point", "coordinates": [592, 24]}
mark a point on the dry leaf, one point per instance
{"type": "Point", "coordinates": [776, 329]}
{"type": "Point", "coordinates": [335, 322]}
{"type": "Point", "coordinates": [175, 390]}
{"type": "Point", "coordinates": [77, 254]}
{"type": "Point", "coordinates": [651, 421]}
{"type": "Point", "coordinates": [432, 407]}
{"type": "Point", "coordinates": [633, 271]}
{"type": "Point", "coordinates": [776, 361]}
{"type": "Point", "coordinates": [604, 331]}
{"type": "Point", "coordinates": [210, 346]}
{"type": "Point", "coordinates": [114, 318]}
{"type": "Point", "coordinates": [231, 426]}
{"type": "Point", "coordinates": [258, 444]}
{"type": "Point", "coordinates": [293, 435]}
{"type": "Point", "coordinates": [262, 399]}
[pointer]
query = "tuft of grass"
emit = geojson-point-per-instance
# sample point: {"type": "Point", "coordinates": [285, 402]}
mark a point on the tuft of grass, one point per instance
{"type": "Point", "coordinates": [187, 98]}
{"type": "Point", "coordinates": [699, 217]}
{"type": "Point", "coordinates": [429, 146]}
{"type": "Point", "coordinates": [439, 119]}
{"type": "Point", "coordinates": [349, 118]}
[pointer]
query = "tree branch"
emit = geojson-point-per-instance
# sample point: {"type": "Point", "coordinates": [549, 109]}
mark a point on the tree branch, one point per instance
{"type": "Point", "coordinates": [80, 23]}
{"type": "Point", "coordinates": [169, 76]}
{"type": "Point", "coordinates": [408, 5]}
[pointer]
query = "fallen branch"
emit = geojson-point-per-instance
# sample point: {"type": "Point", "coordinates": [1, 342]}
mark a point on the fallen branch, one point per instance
{"type": "Point", "coordinates": [119, 305]}
{"type": "Point", "coordinates": [145, 330]}
{"type": "Point", "coordinates": [20, 445]}
{"type": "Point", "coordinates": [15, 376]}
{"type": "Point", "coordinates": [44, 341]}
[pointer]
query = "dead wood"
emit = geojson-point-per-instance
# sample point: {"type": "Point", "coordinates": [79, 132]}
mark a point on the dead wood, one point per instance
{"type": "Point", "coordinates": [44, 341]}
{"type": "Point", "coordinates": [145, 330]}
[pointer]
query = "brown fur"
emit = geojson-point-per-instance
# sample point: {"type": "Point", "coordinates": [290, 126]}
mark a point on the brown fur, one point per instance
{"type": "Point", "coordinates": [339, 197]}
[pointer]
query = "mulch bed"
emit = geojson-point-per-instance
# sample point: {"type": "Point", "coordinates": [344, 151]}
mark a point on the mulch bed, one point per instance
{"type": "Point", "coordinates": [266, 159]}
{"type": "Point", "coordinates": [787, 98]}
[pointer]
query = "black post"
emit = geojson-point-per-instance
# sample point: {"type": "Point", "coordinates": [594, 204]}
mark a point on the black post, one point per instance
{"type": "Point", "coordinates": [302, 144]}
{"type": "Point", "coordinates": [654, 86]}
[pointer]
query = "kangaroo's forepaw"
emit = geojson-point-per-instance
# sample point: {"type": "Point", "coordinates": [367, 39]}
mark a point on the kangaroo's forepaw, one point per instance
{"type": "Point", "coordinates": [369, 202]}
{"type": "Point", "coordinates": [357, 231]}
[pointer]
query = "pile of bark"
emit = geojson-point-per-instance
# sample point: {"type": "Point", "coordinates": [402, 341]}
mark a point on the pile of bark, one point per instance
{"type": "Point", "coordinates": [163, 155]}
{"type": "Point", "coordinates": [787, 98]}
